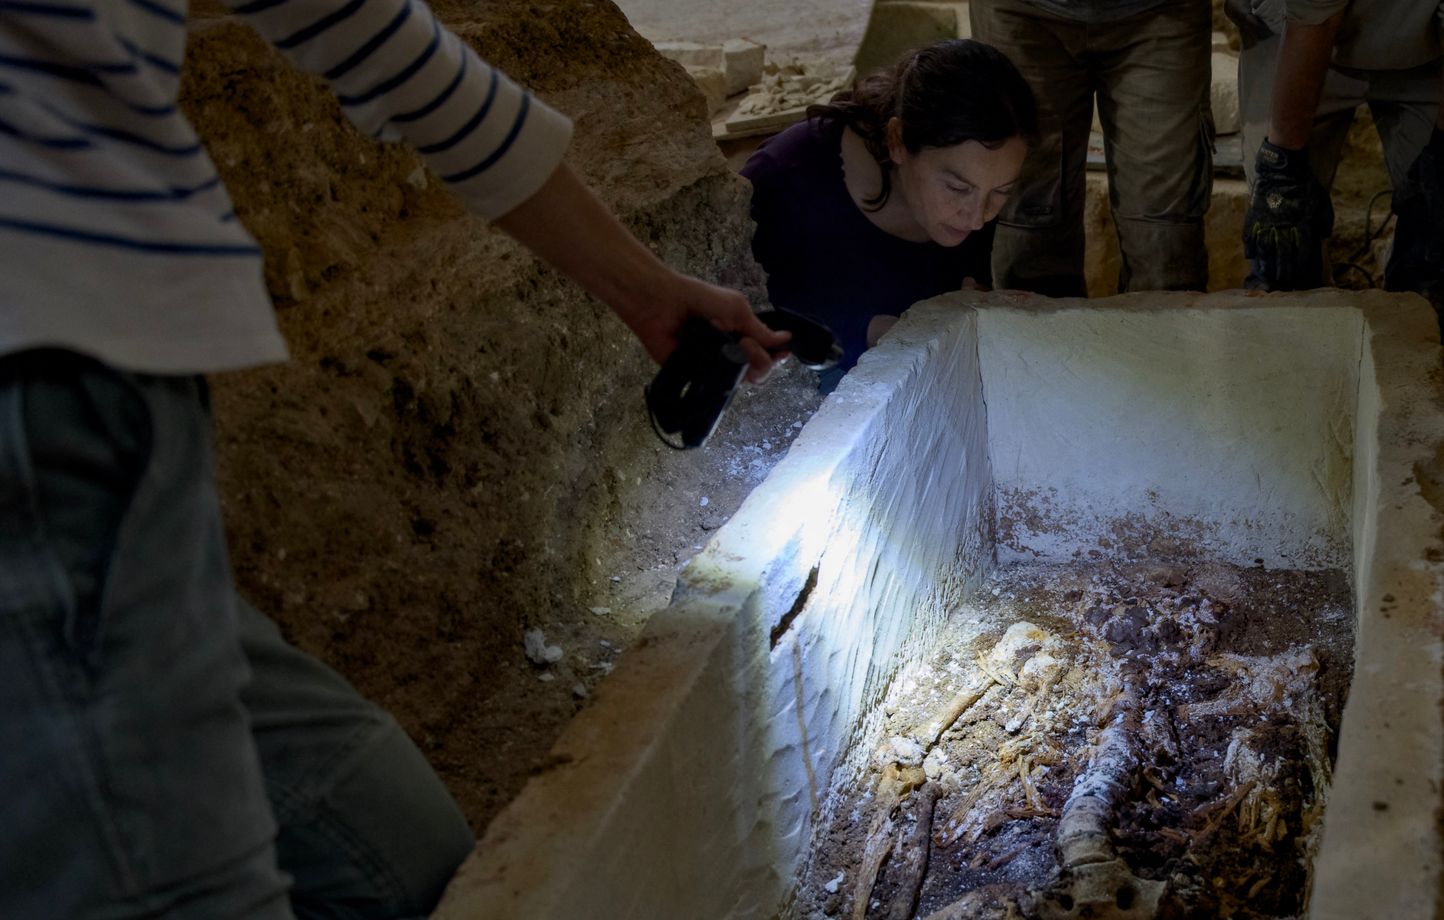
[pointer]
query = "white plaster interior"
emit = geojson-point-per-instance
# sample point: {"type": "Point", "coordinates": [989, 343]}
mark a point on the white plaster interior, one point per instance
{"type": "Point", "coordinates": [1231, 430]}
{"type": "Point", "coordinates": [1301, 429]}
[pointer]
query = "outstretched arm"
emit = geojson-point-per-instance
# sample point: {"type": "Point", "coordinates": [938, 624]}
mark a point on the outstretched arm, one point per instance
{"type": "Point", "coordinates": [1303, 63]}
{"type": "Point", "coordinates": [1289, 214]}
{"type": "Point", "coordinates": [568, 226]}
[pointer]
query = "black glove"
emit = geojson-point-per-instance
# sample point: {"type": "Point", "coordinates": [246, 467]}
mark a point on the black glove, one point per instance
{"type": "Point", "coordinates": [1417, 260]}
{"type": "Point", "coordinates": [1252, 28]}
{"type": "Point", "coordinates": [1289, 217]}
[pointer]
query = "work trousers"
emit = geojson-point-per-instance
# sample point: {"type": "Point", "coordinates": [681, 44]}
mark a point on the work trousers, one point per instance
{"type": "Point", "coordinates": [163, 751]}
{"type": "Point", "coordinates": [1404, 104]}
{"type": "Point", "coordinates": [1150, 74]}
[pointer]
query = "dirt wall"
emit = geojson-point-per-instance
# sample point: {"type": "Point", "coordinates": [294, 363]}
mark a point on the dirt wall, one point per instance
{"type": "Point", "coordinates": [447, 456]}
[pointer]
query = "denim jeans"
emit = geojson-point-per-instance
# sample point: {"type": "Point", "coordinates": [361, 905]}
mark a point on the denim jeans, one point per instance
{"type": "Point", "coordinates": [163, 751]}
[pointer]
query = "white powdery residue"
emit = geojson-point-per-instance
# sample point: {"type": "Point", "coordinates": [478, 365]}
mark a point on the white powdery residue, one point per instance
{"type": "Point", "coordinates": [903, 750]}
{"type": "Point", "coordinates": [537, 649]}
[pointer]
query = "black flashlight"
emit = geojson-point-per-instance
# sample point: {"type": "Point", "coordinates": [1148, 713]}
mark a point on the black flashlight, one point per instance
{"type": "Point", "coordinates": [696, 383]}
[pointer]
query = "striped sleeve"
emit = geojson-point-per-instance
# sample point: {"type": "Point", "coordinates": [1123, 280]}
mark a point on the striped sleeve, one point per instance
{"type": "Point", "coordinates": [398, 73]}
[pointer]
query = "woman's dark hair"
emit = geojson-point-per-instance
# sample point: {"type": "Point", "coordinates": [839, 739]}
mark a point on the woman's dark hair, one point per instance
{"type": "Point", "coordinates": [944, 94]}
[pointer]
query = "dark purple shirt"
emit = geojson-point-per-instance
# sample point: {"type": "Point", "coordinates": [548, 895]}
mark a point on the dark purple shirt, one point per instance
{"type": "Point", "coordinates": [824, 258]}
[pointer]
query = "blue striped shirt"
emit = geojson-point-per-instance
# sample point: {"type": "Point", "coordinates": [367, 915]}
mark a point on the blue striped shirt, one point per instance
{"type": "Point", "coordinates": [117, 238]}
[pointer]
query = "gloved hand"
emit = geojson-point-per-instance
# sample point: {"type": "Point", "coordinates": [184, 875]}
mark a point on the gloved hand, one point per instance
{"type": "Point", "coordinates": [1417, 260]}
{"type": "Point", "coordinates": [1289, 216]}
{"type": "Point", "coordinates": [1252, 27]}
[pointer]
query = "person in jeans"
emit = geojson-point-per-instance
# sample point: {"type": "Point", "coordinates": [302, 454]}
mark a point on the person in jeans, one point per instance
{"type": "Point", "coordinates": [1305, 68]}
{"type": "Point", "coordinates": [1146, 62]}
{"type": "Point", "coordinates": [163, 752]}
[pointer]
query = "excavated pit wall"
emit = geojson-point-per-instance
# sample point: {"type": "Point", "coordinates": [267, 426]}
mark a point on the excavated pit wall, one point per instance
{"type": "Point", "coordinates": [1304, 430]}
{"type": "Point", "coordinates": [444, 459]}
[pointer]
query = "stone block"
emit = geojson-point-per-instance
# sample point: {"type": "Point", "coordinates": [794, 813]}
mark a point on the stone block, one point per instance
{"type": "Point", "coordinates": [897, 28]}
{"type": "Point", "coordinates": [1223, 235]}
{"type": "Point", "coordinates": [692, 54]}
{"type": "Point", "coordinates": [1100, 254]}
{"type": "Point", "coordinates": [713, 84]}
{"type": "Point", "coordinates": [1298, 429]}
{"type": "Point", "coordinates": [701, 721]}
{"type": "Point", "coordinates": [742, 62]}
{"type": "Point", "coordinates": [1223, 93]}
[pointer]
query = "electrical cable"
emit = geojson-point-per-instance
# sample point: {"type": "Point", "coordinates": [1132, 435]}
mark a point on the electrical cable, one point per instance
{"type": "Point", "coordinates": [1352, 262]}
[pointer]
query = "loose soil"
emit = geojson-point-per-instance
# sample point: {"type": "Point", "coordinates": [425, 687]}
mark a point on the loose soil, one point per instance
{"type": "Point", "coordinates": [1236, 678]}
